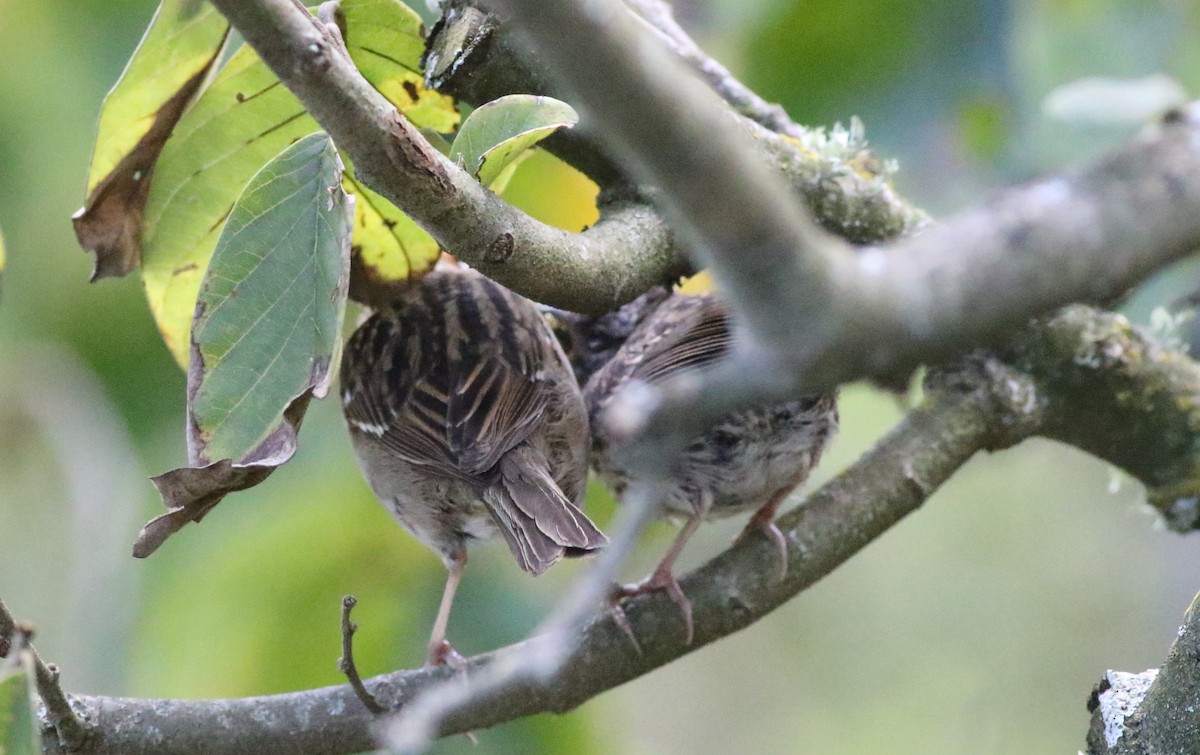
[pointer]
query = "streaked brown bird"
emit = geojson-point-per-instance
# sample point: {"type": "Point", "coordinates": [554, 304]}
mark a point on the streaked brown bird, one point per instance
{"type": "Point", "coordinates": [749, 461]}
{"type": "Point", "coordinates": [468, 423]}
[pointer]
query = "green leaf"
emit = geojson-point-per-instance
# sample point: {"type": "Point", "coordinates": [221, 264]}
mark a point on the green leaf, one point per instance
{"type": "Point", "coordinates": [19, 730]}
{"type": "Point", "coordinates": [244, 118]}
{"type": "Point", "coordinates": [239, 123]}
{"type": "Point", "coordinates": [1, 260]}
{"type": "Point", "coordinates": [499, 132]}
{"type": "Point", "coordinates": [267, 330]}
{"type": "Point", "coordinates": [171, 64]}
{"type": "Point", "coordinates": [269, 315]}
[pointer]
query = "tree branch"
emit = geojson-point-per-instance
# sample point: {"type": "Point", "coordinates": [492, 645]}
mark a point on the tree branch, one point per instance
{"type": "Point", "coordinates": [981, 404]}
{"type": "Point", "coordinates": [59, 715]}
{"type": "Point", "coordinates": [627, 251]}
{"type": "Point", "coordinates": [884, 311]}
{"type": "Point", "coordinates": [966, 282]}
{"type": "Point", "coordinates": [728, 594]}
{"type": "Point", "coordinates": [1108, 389]}
{"type": "Point", "coordinates": [1155, 711]}
{"type": "Point", "coordinates": [1059, 384]}
{"type": "Point", "coordinates": [651, 110]}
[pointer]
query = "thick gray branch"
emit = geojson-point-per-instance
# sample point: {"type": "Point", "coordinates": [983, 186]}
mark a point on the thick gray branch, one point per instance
{"type": "Point", "coordinates": [1088, 234]}
{"type": "Point", "coordinates": [728, 594]}
{"type": "Point", "coordinates": [983, 404]}
{"type": "Point", "coordinates": [816, 314]}
{"type": "Point", "coordinates": [1084, 377]}
{"type": "Point", "coordinates": [733, 212]}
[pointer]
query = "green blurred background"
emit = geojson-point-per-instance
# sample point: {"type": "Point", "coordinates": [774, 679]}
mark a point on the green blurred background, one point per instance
{"type": "Point", "coordinates": [978, 625]}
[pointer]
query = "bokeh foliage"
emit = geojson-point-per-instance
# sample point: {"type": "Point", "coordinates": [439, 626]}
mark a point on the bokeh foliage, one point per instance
{"type": "Point", "coordinates": [978, 625]}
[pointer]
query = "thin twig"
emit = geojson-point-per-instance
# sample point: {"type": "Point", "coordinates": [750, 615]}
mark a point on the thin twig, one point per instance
{"type": "Point", "coordinates": [72, 732]}
{"type": "Point", "coordinates": [743, 99]}
{"type": "Point", "coordinates": [346, 662]}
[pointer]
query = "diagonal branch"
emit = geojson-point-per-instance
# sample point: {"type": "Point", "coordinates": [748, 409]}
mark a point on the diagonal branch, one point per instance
{"type": "Point", "coordinates": [816, 315]}
{"type": "Point", "coordinates": [730, 593]}
{"type": "Point", "coordinates": [1086, 235]}
{"type": "Point", "coordinates": [1079, 369]}
{"type": "Point", "coordinates": [1059, 377]}
{"type": "Point", "coordinates": [733, 212]}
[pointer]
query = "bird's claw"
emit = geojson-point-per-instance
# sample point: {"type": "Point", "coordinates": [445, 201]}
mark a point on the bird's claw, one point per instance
{"type": "Point", "coordinates": [767, 527]}
{"type": "Point", "coordinates": [660, 579]}
{"type": "Point", "coordinates": [442, 653]}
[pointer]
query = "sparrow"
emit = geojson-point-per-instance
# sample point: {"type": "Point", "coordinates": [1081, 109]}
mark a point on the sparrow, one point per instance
{"type": "Point", "coordinates": [748, 461]}
{"type": "Point", "coordinates": [468, 423]}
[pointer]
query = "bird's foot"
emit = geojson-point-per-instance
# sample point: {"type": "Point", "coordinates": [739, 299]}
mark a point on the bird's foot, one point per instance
{"type": "Point", "coordinates": [442, 653]}
{"type": "Point", "coordinates": [660, 579]}
{"type": "Point", "coordinates": [763, 522]}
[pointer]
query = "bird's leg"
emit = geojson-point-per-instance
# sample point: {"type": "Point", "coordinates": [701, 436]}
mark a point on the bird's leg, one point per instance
{"type": "Point", "coordinates": [663, 577]}
{"type": "Point", "coordinates": [763, 521]}
{"type": "Point", "coordinates": [440, 650]}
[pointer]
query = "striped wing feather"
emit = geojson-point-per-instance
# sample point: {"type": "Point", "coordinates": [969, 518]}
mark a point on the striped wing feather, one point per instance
{"type": "Point", "coordinates": [694, 334]}
{"type": "Point", "coordinates": [457, 399]}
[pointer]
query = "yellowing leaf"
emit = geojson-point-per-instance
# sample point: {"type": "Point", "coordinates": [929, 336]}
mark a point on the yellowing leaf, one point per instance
{"type": "Point", "coordinates": [387, 248]}
{"type": "Point", "coordinates": [700, 283]}
{"type": "Point", "coordinates": [386, 39]}
{"type": "Point", "coordinates": [170, 65]}
{"type": "Point", "coordinates": [243, 119]}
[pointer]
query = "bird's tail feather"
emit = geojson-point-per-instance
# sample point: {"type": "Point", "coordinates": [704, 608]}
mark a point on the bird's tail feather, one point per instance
{"type": "Point", "coordinates": [538, 522]}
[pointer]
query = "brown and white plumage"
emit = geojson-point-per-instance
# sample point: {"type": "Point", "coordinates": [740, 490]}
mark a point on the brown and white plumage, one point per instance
{"type": "Point", "coordinates": [468, 423]}
{"type": "Point", "coordinates": [749, 460]}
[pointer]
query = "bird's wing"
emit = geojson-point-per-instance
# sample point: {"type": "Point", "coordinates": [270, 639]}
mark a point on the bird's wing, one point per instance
{"type": "Point", "coordinates": [688, 332]}
{"type": "Point", "coordinates": [392, 388]}
{"type": "Point", "coordinates": [456, 379]}
{"type": "Point", "coordinates": [492, 408]}
{"type": "Point", "coordinates": [505, 378]}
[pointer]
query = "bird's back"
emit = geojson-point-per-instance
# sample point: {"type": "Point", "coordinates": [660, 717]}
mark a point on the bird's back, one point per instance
{"type": "Point", "coordinates": [442, 388]}
{"type": "Point", "coordinates": [742, 460]}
